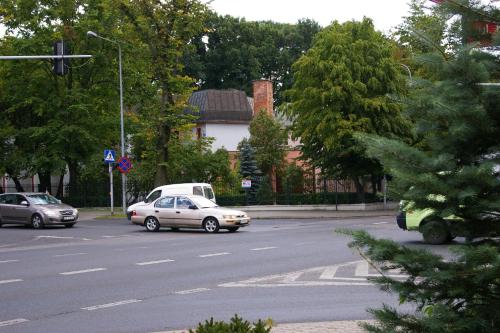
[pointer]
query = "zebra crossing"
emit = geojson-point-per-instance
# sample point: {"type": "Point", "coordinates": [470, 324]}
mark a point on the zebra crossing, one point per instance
{"type": "Point", "coordinates": [352, 273]}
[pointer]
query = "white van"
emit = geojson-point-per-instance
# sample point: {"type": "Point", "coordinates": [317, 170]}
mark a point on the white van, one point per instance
{"type": "Point", "coordinates": [202, 189]}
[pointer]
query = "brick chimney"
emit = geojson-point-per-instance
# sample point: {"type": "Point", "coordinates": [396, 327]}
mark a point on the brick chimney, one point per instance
{"type": "Point", "coordinates": [262, 96]}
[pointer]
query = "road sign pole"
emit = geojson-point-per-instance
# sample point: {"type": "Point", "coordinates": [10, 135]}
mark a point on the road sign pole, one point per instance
{"type": "Point", "coordinates": [111, 186]}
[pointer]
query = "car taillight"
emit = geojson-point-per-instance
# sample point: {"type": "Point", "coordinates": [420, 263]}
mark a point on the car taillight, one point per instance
{"type": "Point", "coordinates": [134, 213]}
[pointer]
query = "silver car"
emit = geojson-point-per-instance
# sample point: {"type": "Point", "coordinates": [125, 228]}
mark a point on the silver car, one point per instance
{"type": "Point", "coordinates": [35, 209]}
{"type": "Point", "coordinates": [188, 211]}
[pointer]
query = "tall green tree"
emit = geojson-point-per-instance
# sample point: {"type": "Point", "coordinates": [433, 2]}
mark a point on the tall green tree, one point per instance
{"type": "Point", "coordinates": [423, 29]}
{"type": "Point", "coordinates": [58, 121]}
{"type": "Point", "coordinates": [248, 167]}
{"type": "Point", "coordinates": [232, 52]}
{"type": "Point", "coordinates": [269, 140]}
{"type": "Point", "coordinates": [166, 28]}
{"type": "Point", "coordinates": [454, 171]}
{"type": "Point", "coordinates": [347, 82]}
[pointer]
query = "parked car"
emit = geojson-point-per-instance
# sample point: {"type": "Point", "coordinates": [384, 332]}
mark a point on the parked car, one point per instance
{"type": "Point", "coordinates": [35, 209]}
{"type": "Point", "coordinates": [202, 189]}
{"type": "Point", "coordinates": [188, 211]}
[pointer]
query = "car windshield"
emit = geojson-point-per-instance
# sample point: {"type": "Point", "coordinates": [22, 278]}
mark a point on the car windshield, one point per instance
{"type": "Point", "coordinates": [203, 202]}
{"type": "Point", "coordinates": [43, 199]}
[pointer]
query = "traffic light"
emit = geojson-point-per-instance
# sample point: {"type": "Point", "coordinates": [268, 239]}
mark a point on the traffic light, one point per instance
{"type": "Point", "coordinates": [61, 66]}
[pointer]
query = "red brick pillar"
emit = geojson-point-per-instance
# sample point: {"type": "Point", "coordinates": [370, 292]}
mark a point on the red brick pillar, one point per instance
{"type": "Point", "coordinates": [262, 96]}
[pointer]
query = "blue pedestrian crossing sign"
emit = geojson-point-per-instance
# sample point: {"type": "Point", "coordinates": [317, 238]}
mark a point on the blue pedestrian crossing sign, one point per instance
{"type": "Point", "coordinates": [109, 156]}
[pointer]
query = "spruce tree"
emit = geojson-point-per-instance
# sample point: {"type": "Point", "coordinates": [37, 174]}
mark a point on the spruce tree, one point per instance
{"type": "Point", "coordinates": [453, 169]}
{"type": "Point", "coordinates": [248, 168]}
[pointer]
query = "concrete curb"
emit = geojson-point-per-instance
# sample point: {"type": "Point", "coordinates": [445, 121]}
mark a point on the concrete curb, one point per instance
{"type": "Point", "coordinates": [344, 326]}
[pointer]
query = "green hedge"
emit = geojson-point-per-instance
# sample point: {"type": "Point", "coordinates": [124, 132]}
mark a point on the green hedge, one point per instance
{"type": "Point", "coordinates": [297, 199]}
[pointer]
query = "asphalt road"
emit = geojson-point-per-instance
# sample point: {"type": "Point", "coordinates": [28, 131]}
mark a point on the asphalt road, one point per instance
{"type": "Point", "coordinates": [111, 276]}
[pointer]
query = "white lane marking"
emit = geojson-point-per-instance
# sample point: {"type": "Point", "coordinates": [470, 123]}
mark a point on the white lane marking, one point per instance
{"type": "Point", "coordinates": [213, 254]}
{"type": "Point", "coordinates": [363, 267]}
{"type": "Point", "coordinates": [289, 278]}
{"type": "Point", "coordinates": [329, 273]}
{"type": "Point", "coordinates": [10, 281]}
{"type": "Point", "coordinates": [380, 223]}
{"type": "Point", "coordinates": [70, 254]}
{"type": "Point", "coordinates": [110, 305]}
{"type": "Point", "coordinates": [154, 262]}
{"type": "Point", "coordinates": [6, 261]}
{"type": "Point", "coordinates": [191, 291]}
{"type": "Point", "coordinates": [54, 237]}
{"type": "Point", "coordinates": [13, 322]}
{"type": "Point", "coordinates": [84, 271]}
{"type": "Point", "coordinates": [264, 248]}
{"type": "Point", "coordinates": [292, 279]}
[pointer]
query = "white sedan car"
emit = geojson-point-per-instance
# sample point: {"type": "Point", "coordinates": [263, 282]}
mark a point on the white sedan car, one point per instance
{"type": "Point", "coordinates": [188, 211]}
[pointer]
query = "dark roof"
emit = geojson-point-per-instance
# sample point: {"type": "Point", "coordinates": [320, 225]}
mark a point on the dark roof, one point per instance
{"type": "Point", "coordinates": [220, 105]}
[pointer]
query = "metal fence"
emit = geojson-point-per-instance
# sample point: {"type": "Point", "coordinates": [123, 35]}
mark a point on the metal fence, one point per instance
{"type": "Point", "coordinates": [306, 191]}
{"type": "Point", "coordinates": [303, 191]}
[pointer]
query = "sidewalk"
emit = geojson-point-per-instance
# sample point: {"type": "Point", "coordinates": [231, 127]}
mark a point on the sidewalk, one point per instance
{"type": "Point", "coordinates": [342, 326]}
{"type": "Point", "coordinates": [286, 211]}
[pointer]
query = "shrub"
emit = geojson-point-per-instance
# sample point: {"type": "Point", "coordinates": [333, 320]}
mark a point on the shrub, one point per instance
{"type": "Point", "coordinates": [236, 325]}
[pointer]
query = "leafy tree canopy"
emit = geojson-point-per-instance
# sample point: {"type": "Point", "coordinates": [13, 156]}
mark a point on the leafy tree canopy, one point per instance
{"type": "Point", "coordinates": [269, 140]}
{"type": "Point", "coordinates": [346, 83]}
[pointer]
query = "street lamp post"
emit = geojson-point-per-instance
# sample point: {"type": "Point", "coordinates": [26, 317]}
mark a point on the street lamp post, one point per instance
{"type": "Point", "coordinates": [122, 131]}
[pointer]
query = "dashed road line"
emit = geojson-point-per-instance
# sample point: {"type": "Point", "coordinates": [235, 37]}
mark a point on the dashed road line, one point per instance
{"type": "Point", "coordinates": [264, 248]}
{"type": "Point", "coordinates": [70, 254]}
{"type": "Point", "coordinates": [380, 223]}
{"type": "Point", "coordinates": [154, 262]}
{"type": "Point", "coordinates": [191, 291]}
{"type": "Point", "coordinates": [110, 305]}
{"type": "Point", "coordinates": [54, 237]}
{"type": "Point", "coordinates": [84, 271]}
{"type": "Point", "coordinates": [10, 281]}
{"type": "Point", "coordinates": [13, 322]}
{"type": "Point", "coordinates": [7, 261]}
{"type": "Point", "coordinates": [214, 254]}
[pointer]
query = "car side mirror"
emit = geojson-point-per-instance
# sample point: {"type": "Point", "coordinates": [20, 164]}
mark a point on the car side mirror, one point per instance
{"type": "Point", "coordinates": [193, 207]}
{"type": "Point", "coordinates": [25, 203]}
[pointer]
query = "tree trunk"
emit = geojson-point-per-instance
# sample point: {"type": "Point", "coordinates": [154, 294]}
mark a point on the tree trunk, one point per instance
{"type": "Point", "coordinates": [161, 175]}
{"type": "Point", "coordinates": [73, 177]}
{"type": "Point", "coordinates": [60, 186]}
{"type": "Point", "coordinates": [360, 189]}
{"type": "Point", "coordinates": [19, 187]}
{"type": "Point", "coordinates": [376, 184]}
{"type": "Point", "coordinates": [45, 185]}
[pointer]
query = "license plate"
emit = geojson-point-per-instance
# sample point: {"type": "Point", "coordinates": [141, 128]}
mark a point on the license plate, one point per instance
{"type": "Point", "coordinates": [68, 218]}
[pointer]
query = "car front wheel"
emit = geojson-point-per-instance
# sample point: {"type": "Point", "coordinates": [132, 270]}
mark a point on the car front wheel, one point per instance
{"type": "Point", "coordinates": [211, 225]}
{"type": "Point", "coordinates": [152, 224]}
{"type": "Point", "coordinates": [37, 221]}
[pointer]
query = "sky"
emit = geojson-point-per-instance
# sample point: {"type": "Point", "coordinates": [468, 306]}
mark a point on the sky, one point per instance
{"type": "Point", "coordinates": [385, 14]}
